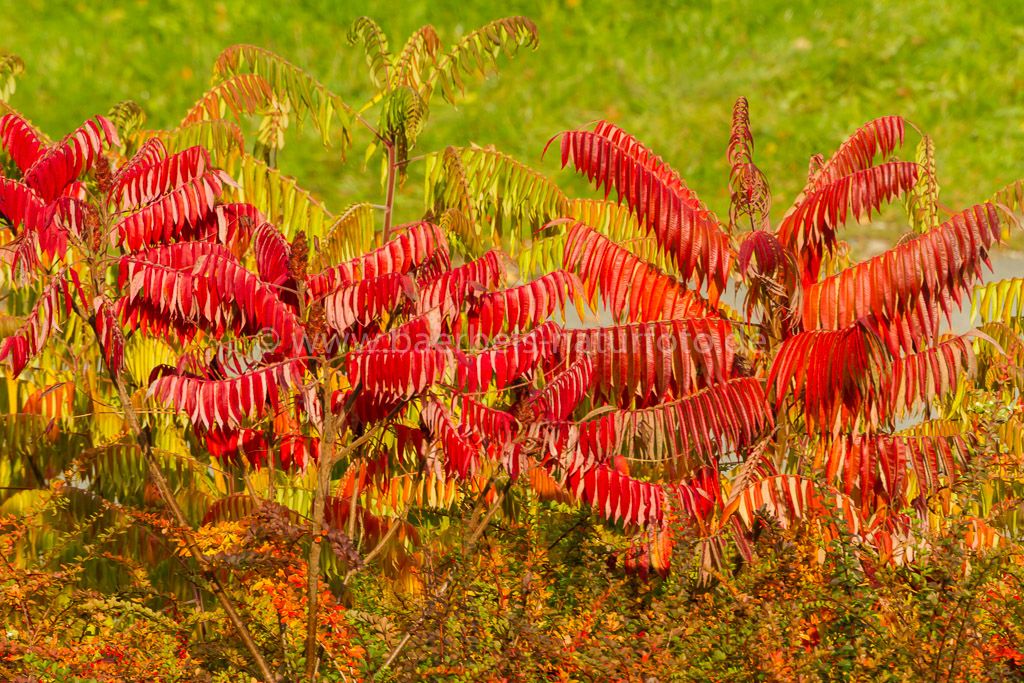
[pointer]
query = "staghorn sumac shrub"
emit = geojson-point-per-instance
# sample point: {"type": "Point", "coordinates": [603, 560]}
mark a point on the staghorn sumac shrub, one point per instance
{"type": "Point", "coordinates": [345, 445]}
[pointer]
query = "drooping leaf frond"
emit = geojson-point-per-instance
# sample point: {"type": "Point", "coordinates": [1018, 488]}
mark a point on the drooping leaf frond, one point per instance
{"type": "Point", "coordinates": [128, 118]}
{"type": "Point", "coordinates": [631, 289]}
{"type": "Point", "coordinates": [419, 53]}
{"type": "Point", "coordinates": [1011, 435]}
{"type": "Point", "coordinates": [203, 283]}
{"type": "Point", "coordinates": [244, 94]}
{"type": "Point", "coordinates": [149, 153]}
{"type": "Point", "coordinates": [297, 450]}
{"type": "Point", "coordinates": [142, 354]}
{"type": "Point", "coordinates": [919, 378]}
{"type": "Point", "coordinates": [541, 255]}
{"type": "Point", "coordinates": [617, 497]}
{"type": "Point", "coordinates": [30, 338]}
{"type": "Point", "coordinates": [447, 170]}
{"type": "Point", "coordinates": [375, 45]}
{"type": "Point", "coordinates": [837, 377]}
{"type": "Point", "coordinates": [365, 301]}
{"type": "Point", "coordinates": [61, 164]}
{"type": "Point", "coordinates": [932, 428]}
{"type": "Point", "coordinates": [564, 391]}
{"type": "Point", "coordinates": [1004, 360]}
{"type": "Point", "coordinates": [652, 550]}
{"type": "Point", "coordinates": [504, 363]}
{"type": "Point", "coordinates": [232, 445]}
{"type": "Point", "coordinates": [520, 308]}
{"type": "Point", "coordinates": [478, 52]}
{"type": "Point", "coordinates": [229, 224]}
{"type": "Point", "coordinates": [20, 140]}
{"type": "Point", "coordinates": [221, 137]}
{"type": "Point", "coordinates": [876, 139]}
{"type": "Point", "coordinates": [913, 330]}
{"type": "Point", "coordinates": [615, 221]}
{"type": "Point", "coordinates": [411, 492]}
{"type": "Point", "coordinates": [399, 373]}
{"type": "Point", "coordinates": [495, 428]}
{"type": "Point", "coordinates": [1000, 301]}
{"type": "Point", "coordinates": [980, 535]}
{"type": "Point", "coordinates": [481, 181]}
{"type": "Point", "coordinates": [447, 292]}
{"type": "Point", "coordinates": [810, 225]}
{"type": "Point", "coordinates": [279, 198]}
{"type": "Point", "coordinates": [214, 402]}
{"type": "Point", "coordinates": [151, 174]}
{"type": "Point", "coordinates": [619, 224]}
{"type": "Point", "coordinates": [787, 498]}
{"type": "Point", "coordinates": [879, 465]}
{"type": "Point", "coordinates": [304, 93]}
{"type": "Point", "coordinates": [22, 207]}
{"type": "Point", "coordinates": [273, 254]}
{"type": "Point", "coordinates": [720, 418]}
{"type": "Point", "coordinates": [461, 447]}
{"type": "Point", "coordinates": [166, 217]}
{"type": "Point", "coordinates": [684, 228]}
{"type": "Point", "coordinates": [644, 364]}
{"type": "Point", "coordinates": [748, 187]}
{"type": "Point", "coordinates": [11, 66]}
{"type": "Point", "coordinates": [118, 471]}
{"type": "Point", "coordinates": [222, 280]}
{"type": "Point", "coordinates": [466, 237]}
{"type": "Point", "coordinates": [419, 331]}
{"type": "Point", "coordinates": [1012, 197]}
{"type": "Point", "coordinates": [414, 245]}
{"type": "Point", "coordinates": [766, 250]}
{"type": "Point", "coordinates": [350, 235]}
{"type": "Point", "coordinates": [938, 267]}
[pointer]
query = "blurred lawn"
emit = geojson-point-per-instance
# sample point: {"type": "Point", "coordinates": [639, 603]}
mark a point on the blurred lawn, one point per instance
{"type": "Point", "coordinates": [813, 72]}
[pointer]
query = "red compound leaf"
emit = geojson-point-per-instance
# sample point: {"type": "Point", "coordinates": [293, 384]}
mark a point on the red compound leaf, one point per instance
{"type": "Point", "coordinates": [413, 248]}
{"type": "Point", "coordinates": [461, 447]}
{"type": "Point", "coordinates": [367, 300]}
{"type": "Point", "coordinates": [632, 289]}
{"type": "Point", "coordinates": [564, 391]}
{"type": "Point", "coordinates": [20, 141]}
{"type": "Point", "coordinates": [402, 373]}
{"type": "Point", "coordinates": [227, 402]}
{"type": "Point", "coordinates": [940, 265]}
{"type": "Point", "coordinates": [503, 364]}
{"type": "Point", "coordinates": [518, 309]}
{"type": "Point", "coordinates": [448, 291]}
{"type": "Point", "coordinates": [648, 363]}
{"type": "Point", "coordinates": [684, 228]}
{"type": "Point", "coordinates": [29, 339]}
{"type": "Point", "coordinates": [62, 164]}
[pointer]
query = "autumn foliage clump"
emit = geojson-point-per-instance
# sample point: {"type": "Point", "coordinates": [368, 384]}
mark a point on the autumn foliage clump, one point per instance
{"type": "Point", "coordinates": [519, 436]}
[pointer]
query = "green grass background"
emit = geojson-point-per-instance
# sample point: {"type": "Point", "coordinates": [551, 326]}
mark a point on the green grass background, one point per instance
{"type": "Point", "coordinates": [669, 72]}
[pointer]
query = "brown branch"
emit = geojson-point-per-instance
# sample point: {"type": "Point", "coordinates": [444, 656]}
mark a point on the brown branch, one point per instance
{"type": "Point", "coordinates": [323, 485]}
{"type": "Point", "coordinates": [392, 528]}
{"type": "Point", "coordinates": [389, 202]}
{"type": "Point", "coordinates": [471, 543]}
{"type": "Point", "coordinates": [164, 489]}
{"type": "Point", "coordinates": [185, 530]}
{"type": "Point", "coordinates": [325, 465]}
